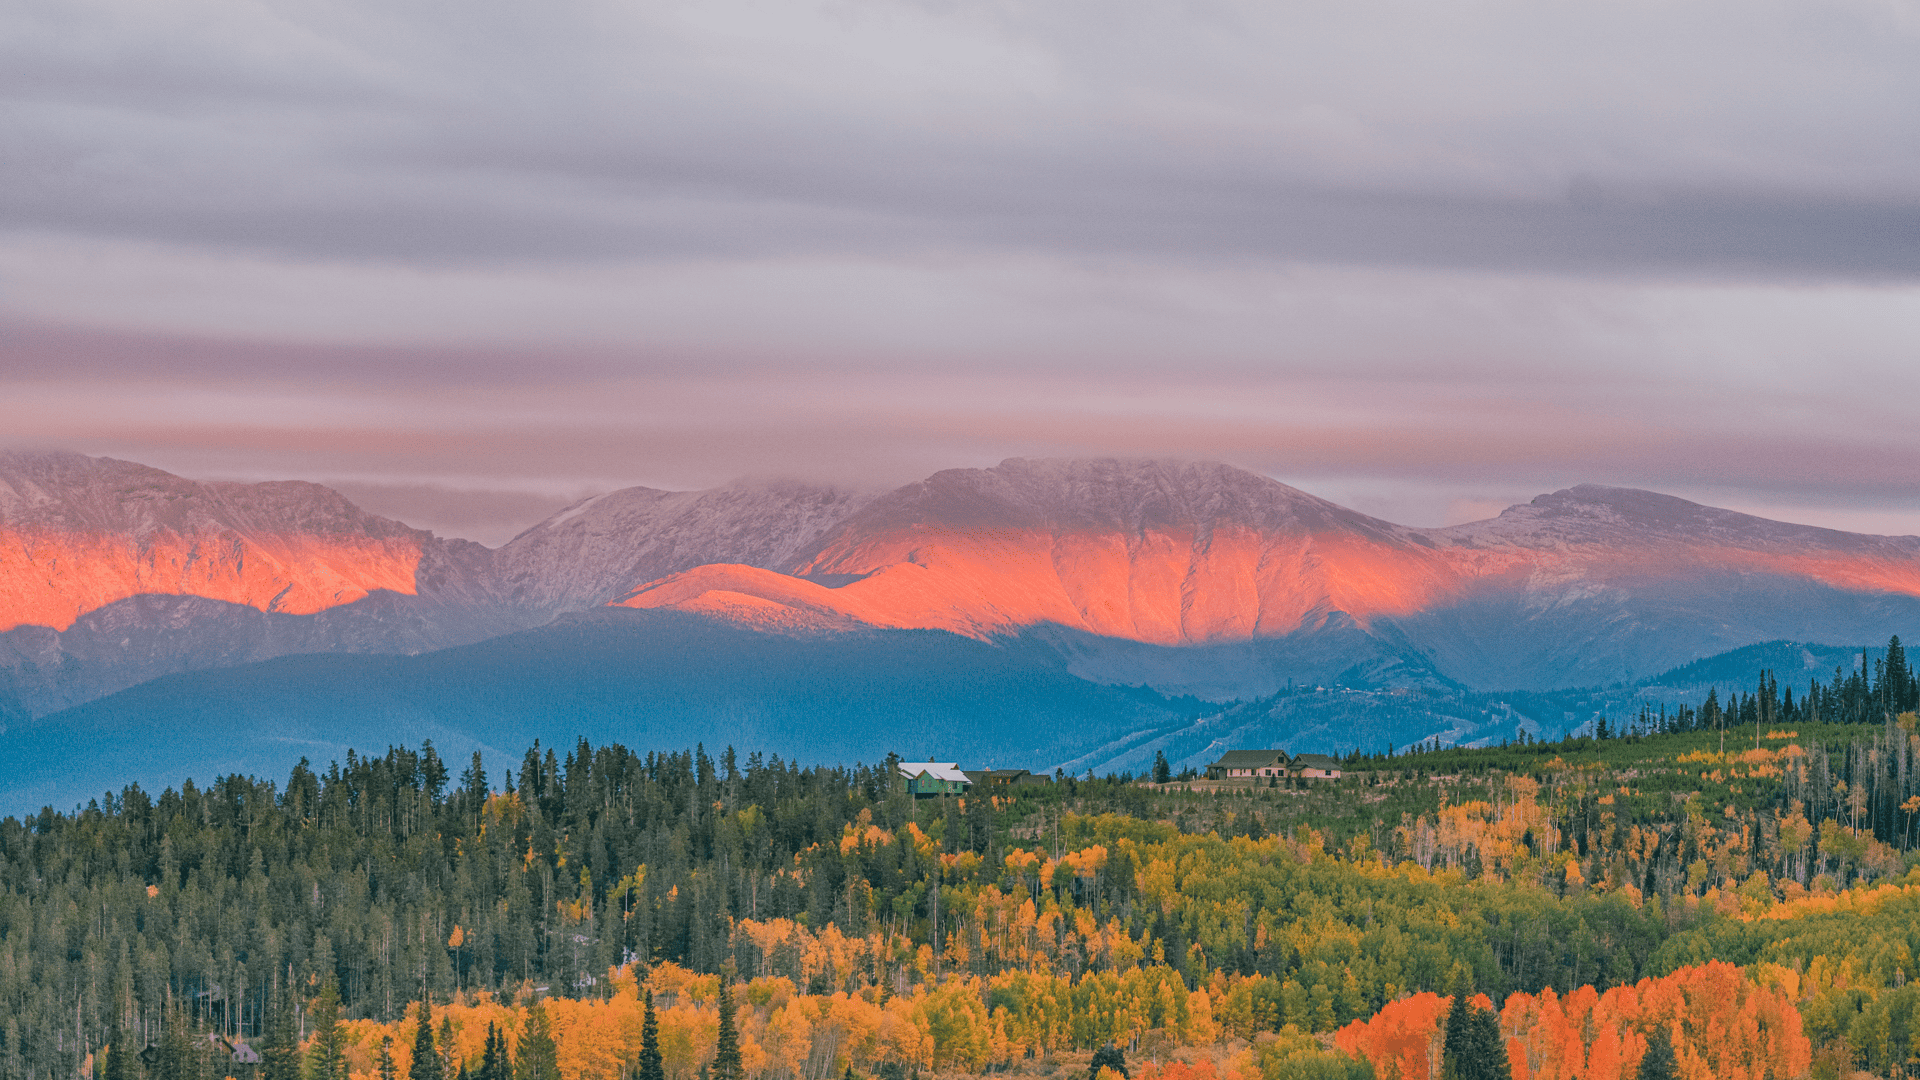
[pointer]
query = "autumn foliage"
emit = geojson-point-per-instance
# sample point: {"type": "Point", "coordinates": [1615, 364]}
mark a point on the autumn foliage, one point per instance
{"type": "Point", "coordinates": [1723, 1027]}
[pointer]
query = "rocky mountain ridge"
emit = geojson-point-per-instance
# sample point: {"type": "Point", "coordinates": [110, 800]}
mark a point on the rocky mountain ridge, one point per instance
{"type": "Point", "coordinates": [1188, 576]}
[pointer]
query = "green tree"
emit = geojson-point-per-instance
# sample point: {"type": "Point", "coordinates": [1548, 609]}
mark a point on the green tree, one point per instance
{"type": "Point", "coordinates": [327, 1057]}
{"type": "Point", "coordinates": [1659, 1062]}
{"type": "Point", "coordinates": [538, 1059]}
{"type": "Point", "coordinates": [726, 1053]}
{"type": "Point", "coordinates": [280, 1052]}
{"type": "Point", "coordinates": [383, 1066]}
{"type": "Point", "coordinates": [1488, 1051]}
{"type": "Point", "coordinates": [1474, 1049]}
{"type": "Point", "coordinates": [493, 1065]}
{"type": "Point", "coordinates": [651, 1065]}
{"type": "Point", "coordinates": [1162, 770]}
{"type": "Point", "coordinates": [119, 1063]}
{"type": "Point", "coordinates": [175, 1060]}
{"type": "Point", "coordinates": [1107, 1057]}
{"type": "Point", "coordinates": [426, 1064]}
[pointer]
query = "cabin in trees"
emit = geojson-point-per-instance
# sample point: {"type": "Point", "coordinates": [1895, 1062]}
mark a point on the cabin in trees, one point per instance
{"type": "Point", "coordinates": [1248, 765]}
{"type": "Point", "coordinates": [1316, 767]}
{"type": "Point", "coordinates": [926, 779]}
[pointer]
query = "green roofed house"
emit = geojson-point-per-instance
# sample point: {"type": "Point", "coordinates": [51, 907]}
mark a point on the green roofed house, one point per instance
{"type": "Point", "coordinates": [1248, 765]}
{"type": "Point", "coordinates": [926, 779]}
{"type": "Point", "coordinates": [1316, 767]}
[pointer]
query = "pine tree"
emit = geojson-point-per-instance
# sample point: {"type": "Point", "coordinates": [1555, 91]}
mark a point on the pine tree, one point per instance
{"type": "Point", "coordinates": [1107, 1057]}
{"type": "Point", "coordinates": [651, 1065]}
{"type": "Point", "coordinates": [1458, 1049]}
{"type": "Point", "coordinates": [538, 1058]}
{"type": "Point", "coordinates": [119, 1063]}
{"type": "Point", "coordinates": [1162, 770]}
{"type": "Point", "coordinates": [327, 1057]}
{"type": "Point", "coordinates": [1474, 1049]}
{"type": "Point", "coordinates": [279, 1054]}
{"type": "Point", "coordinates": [383, 1067]}
{"type": "Point", "coordinates": [490, 1064]}
{"type": "Point", "coordinates": [1488, 1059]}
{"type": "Point", "coordinates": [176, 1050]}
{"type": "Point", "coordinates": [1659, 1062]}
{"type": "Point", "coordinates": [449, 1050]}
{"type": "Point", "coordinates": [426, 1064]}
{"type": "Point", "coordinates": [726, 1054]}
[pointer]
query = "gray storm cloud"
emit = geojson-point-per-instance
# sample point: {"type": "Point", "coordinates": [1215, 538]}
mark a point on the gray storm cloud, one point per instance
{"type": "Point", "coordinates": [471, 258]}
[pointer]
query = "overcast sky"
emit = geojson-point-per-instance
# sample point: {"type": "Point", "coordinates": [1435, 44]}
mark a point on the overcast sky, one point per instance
{"type": "Point", "coordinates": [469, 260]}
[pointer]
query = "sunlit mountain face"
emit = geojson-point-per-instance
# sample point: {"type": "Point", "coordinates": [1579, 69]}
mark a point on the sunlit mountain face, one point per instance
{"type": "Point", "coordinates": [1167, 553]}
{"type": "Point", "coordinates": [1185, 554]}
{"type": "Point", "coordinates": [78, 534]}
{"type": "Point", "coordinates": [1178, 575]}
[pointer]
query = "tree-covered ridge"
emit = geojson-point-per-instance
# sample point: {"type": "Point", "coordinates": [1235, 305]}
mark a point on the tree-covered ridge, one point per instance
{"type": "Point", "coordinates": [1597, 861]}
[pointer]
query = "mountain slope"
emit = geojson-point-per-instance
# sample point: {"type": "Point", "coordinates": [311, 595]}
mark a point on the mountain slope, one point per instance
{"type": "Point", "coordinates": [78, 533]}
{"type": "Point", "coordinates": [1159, 552]}
{"type": "Point", "coordinates": [1593, 585]}
{"type": "Point", "coordinates": [1190, 577]}
{"type": "Point", "coordinates": [600, 549]}
{"type": "Point", "coordinates": [1587, 585]}
{"type": "Point", "coordinates": [112, 573]}
{"type": "Point", "coordinates": [648, 679]}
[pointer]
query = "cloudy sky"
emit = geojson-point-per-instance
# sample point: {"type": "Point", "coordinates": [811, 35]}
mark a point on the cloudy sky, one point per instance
{"type": "Point", "coordinates": [469, 259]}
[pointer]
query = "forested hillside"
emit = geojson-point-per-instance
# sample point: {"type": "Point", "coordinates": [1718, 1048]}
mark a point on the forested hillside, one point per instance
{"type": "Point", "coordinates": [997, 929]}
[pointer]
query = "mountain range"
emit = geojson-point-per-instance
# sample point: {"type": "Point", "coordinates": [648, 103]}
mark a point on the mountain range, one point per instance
{"type": "Point", "coordinates": [1039, 610]}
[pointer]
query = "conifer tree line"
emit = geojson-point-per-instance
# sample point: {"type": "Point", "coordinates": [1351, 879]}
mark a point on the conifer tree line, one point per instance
{"type": "Point", "coordinates": [381, 882]}
{"type": "Point", "coordinates": [252, 910]}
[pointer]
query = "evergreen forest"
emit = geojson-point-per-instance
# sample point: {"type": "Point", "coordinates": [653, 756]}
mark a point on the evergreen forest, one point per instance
{"type": "Point", "coordinates": [1728, 890]}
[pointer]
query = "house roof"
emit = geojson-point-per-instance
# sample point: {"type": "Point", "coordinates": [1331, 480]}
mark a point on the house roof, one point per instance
{"type": "Point", "coordinates": [1316, 761]}
{"type": "Point", "coordinates": [939, 770]}
{"type": "Point", "coordinates": [1249, 759]}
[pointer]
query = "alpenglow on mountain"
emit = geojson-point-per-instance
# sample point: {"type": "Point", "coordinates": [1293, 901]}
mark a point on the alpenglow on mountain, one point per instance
{"type": "Point", "coordinates": [112, 573]}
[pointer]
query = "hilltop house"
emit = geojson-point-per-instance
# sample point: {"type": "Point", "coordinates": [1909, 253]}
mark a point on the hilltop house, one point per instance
{"type": "Point", "coordinates": [1316, 767]}
{"type": "Point", "coordinates": [926, 779]}
{"type": "Point", "coordinates": [1248, 765]}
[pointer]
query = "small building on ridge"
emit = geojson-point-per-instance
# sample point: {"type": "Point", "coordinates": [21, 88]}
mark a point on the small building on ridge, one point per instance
{"type": "Point", "coordinates": [1248, 765]}
{"type": "Point", "coordinates": [926, 779]}
{"type": "Point", "coordinates": [1316, 767]}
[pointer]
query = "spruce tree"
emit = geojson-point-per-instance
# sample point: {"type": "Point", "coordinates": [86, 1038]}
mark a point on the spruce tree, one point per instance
{"type": "Point", "coordinates": [451, 1065]}
{"type": "Point", "coordinates": [383, 1066]}
{"type": "Point", "coordinates": [1107, 1057]}
{"type": "Point", "coordinates": [280, 1053]}
{"type": "Point", "coordinates": [538, 1059]}
{"type": "Point", "coordinates": [1458, 1048]}
{"type": "Point", "coordinates": [651, 1065]}
{"type": "Point", "coordinates": [490, 1068]}
{"type": "Point", "coordinates": [327, 1057]}
{"type": "Point", "coordinates": [1489, 1051]}
{"type": "Point", "coordinates": [726, 1053]}
{"type": "Point", "coordinates": [119, 1063]}
{"type": "Point", "coordinates": [426, 1064]}
{"type": "Point", "coordinates": [1659, 1062]}
{"type": "Point", "coordinates": [176, 1050]}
